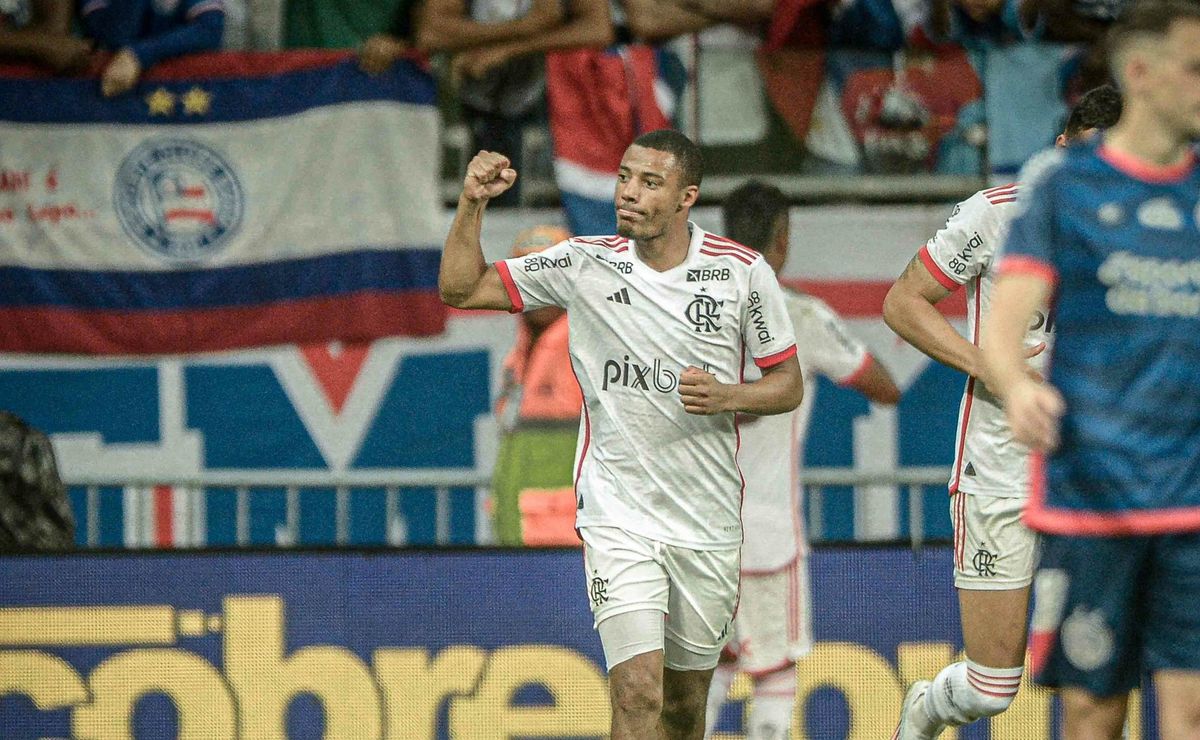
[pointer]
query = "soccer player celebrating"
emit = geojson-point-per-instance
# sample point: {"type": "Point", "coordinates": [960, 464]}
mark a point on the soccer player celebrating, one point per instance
{"type": "Point", "coordinates": [660, 318]}
{"type": "Point", "coordinates": [773, 628]}
{"type": "Point", "coordinates": [1110, 234]}
{"type": "Point", "coordinates": [993, 551]}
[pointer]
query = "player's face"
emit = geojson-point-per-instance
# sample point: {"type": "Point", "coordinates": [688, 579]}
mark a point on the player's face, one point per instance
{"type": "Point", "coordinates": [649, 193]}
{"type": "Point", "coordinates": [1173, 80]}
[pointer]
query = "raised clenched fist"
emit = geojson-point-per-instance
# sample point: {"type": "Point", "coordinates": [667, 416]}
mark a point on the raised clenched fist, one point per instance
{"type": "Point", "coordinates": [488, 175]}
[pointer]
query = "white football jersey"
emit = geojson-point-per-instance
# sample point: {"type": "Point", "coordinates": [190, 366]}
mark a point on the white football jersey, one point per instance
{"type": "Point", "coordinates": [773, 446]}
{"type": "Point", "coordinates": [987, 460]}
{"type": "Point", "coordinates": [643, 463]}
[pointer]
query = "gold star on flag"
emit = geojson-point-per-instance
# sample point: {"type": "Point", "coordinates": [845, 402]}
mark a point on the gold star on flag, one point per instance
{"type": "Point", "coordinates": [161, 102]}
{"type": "Point", "coordinates": [197, 102]}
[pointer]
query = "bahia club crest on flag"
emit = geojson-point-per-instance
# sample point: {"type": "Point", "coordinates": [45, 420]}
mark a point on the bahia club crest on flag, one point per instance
{"type": "Point", "coordinates": [233, 200]}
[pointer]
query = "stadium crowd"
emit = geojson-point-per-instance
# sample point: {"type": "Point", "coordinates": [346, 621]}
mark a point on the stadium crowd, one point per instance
{"type": "Point", "coordinates": [876, 86]}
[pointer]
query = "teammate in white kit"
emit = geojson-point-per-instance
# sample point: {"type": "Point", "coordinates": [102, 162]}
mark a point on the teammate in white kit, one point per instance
{"type": "Point", "coordinates": [994, 552]}
{"type": "Point", "coordinates": [773, 627]}
{"type": "Point", "coordinates": [661, 319]}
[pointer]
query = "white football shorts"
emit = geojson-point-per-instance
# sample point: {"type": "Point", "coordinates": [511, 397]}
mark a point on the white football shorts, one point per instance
{"type": "Point", "coordinates": [773, 626]}
{"type": "Point", "coordinates": [696, 590]}
{"type": "Point", "coordinates": [993, 549]}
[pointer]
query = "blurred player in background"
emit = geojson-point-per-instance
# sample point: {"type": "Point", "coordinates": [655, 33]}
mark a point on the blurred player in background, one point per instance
{"type": "Point", "coordinates": [661, 319]}
{"type": "Point", "coordinates": [773, 628]}
{"type": "Point", "coordinates": [538, 413]}
{"type": "Point", "coordinates": [994, 551]}
{"type": "Point", "coordinates": [1110, 234]}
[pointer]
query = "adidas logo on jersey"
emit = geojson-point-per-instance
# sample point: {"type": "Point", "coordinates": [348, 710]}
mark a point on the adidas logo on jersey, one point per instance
{"type": "Point", "coordinates": [969, 470]}
{"type": "Point", "coordinates": [621, 296]}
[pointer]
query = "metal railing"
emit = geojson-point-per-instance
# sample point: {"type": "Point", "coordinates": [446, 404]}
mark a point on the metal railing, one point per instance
{"type": "Point", "coordinates": [395, 483]}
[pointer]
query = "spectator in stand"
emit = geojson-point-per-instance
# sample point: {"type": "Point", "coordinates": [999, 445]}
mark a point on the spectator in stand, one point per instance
{"type": "Point", "coordinates": [653, 21]}
{"type": "Point", "coordinates": [1084, 21]}
{"type": "Point", "coordinates": [538, 414]}
{"type": "Point", "coordinates": [39, 31]}
{"type": "Point", "coordinates": [143, 33]}
{"type": "Point", "coordinates": [978, 23]}
{"type": "Point", "coordinates": [345, 24]}
{"type": "Point", "coordinates": [497, 64]}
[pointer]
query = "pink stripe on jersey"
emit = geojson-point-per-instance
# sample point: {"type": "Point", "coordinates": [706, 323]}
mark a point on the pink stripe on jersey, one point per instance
{"type": "Point", "coordinates": [854, 377]}
{"type": "Point", "coordinates": [1017, 264]}
{"type": "Point", "coordinates": [772, 360]}
{"type": "Point", "coordinates": [936, 270]}
{"type": "Point", "coordinates": [999, 188]}
{"type": "Point", "coordinates": [1147, 171]}
{"type": "Point", "coordinates": [962, 432]}
{"type": "Point", "coordinates": [734, 255]}
{"type": "Point", "coordinates": [1043, 518]}
{"type": "Point", "coordinates": [510, 287]}
{"type": "Point", "coordinates": [716, 241]}
{"type": "Point", "coordinates": [619, 243]}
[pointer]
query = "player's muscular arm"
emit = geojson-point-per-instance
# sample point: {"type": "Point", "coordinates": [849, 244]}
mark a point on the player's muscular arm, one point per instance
{"type": "Point", "coordinates": [910, 310]}
{"type": "Point", "coordinates": [465, 280]}
{"type": "Point", "coordinates": [1032, 408]}
{"type": "Point", "coordinates": [780, 390]}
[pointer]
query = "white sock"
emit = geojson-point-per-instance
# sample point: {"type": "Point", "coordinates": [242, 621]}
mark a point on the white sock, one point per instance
{"type": "Point", "coordinates": [966, 691]}
{"type": "Point", "coordinates": [774, 700]}
{"type": "Point", "coordinates": [718, 691]}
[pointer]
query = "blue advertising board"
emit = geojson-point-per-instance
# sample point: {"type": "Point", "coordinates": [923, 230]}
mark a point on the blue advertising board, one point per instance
{"type": "Point", "coordinates": [387, 644]}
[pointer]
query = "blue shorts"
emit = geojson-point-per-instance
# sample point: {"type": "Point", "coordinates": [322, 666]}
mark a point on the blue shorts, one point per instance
{"type": "Point", "coordinates": [1109, 609]}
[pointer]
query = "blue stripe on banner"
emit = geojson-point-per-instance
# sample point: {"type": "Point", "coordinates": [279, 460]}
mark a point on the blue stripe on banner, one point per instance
{"type": "Point", "coordinates": [588, 215]}
{"type": "Point", "coordinates": [397, 270]}
{"type": "Point", "coordinates": [237, 99]}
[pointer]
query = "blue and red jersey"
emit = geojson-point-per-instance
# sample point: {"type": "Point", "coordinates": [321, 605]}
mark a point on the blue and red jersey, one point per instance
{"type": "Point", "coordinates": [1119, 240]}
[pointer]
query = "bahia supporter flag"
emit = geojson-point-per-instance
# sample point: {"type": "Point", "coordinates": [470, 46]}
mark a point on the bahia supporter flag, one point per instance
{"type": "Point", "coordinates": [233, 200]}
{"type": "Point", "coordinates": [600, 101]}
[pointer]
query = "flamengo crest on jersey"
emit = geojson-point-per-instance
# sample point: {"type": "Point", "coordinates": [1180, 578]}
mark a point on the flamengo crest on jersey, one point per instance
{"type": "Point", "coordinates": [986, 458]}
{"type": "Point", "coordinates": [644, 464]}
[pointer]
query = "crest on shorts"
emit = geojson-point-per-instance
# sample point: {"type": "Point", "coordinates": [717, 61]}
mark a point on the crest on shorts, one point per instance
{"type": "Point", "coordinates": [598, 591]}
{"type": "Point", "coordinates": [984, 563]}
{"type": "Point", "coordinates": [178, 199]}
{"type": "Point", "coordinates": [1087, 639]}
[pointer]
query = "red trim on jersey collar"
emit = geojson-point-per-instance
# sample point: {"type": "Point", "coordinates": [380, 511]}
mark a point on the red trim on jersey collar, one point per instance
{"type": "Point", "coordinates": [772, 360]}
{"type": "Point", "coordinates": [1043, 518]}
{"type": "Point", "coordinates": [864, 366]}
{"type": "Point", "coordinates": [1018, 264]}
{"type": "Point", "coordinates": [1147, 171]}
{"type": "Point", "coordinates": [510, 287]}
{"type": "Point", "coordinates": [936, 270]}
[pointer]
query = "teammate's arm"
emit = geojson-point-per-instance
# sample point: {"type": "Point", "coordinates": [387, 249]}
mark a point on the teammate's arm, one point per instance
{"type": "Point", "coordinates": [876, 383]}
{"type": "Point", "coordinates": [910, 310]}
{"type": "Point", "coordinates": [779, 390]}
{"type": "Point", "coordinates": [1033, 408]}
{"type": "Point", "coordinates": [465, 279]}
